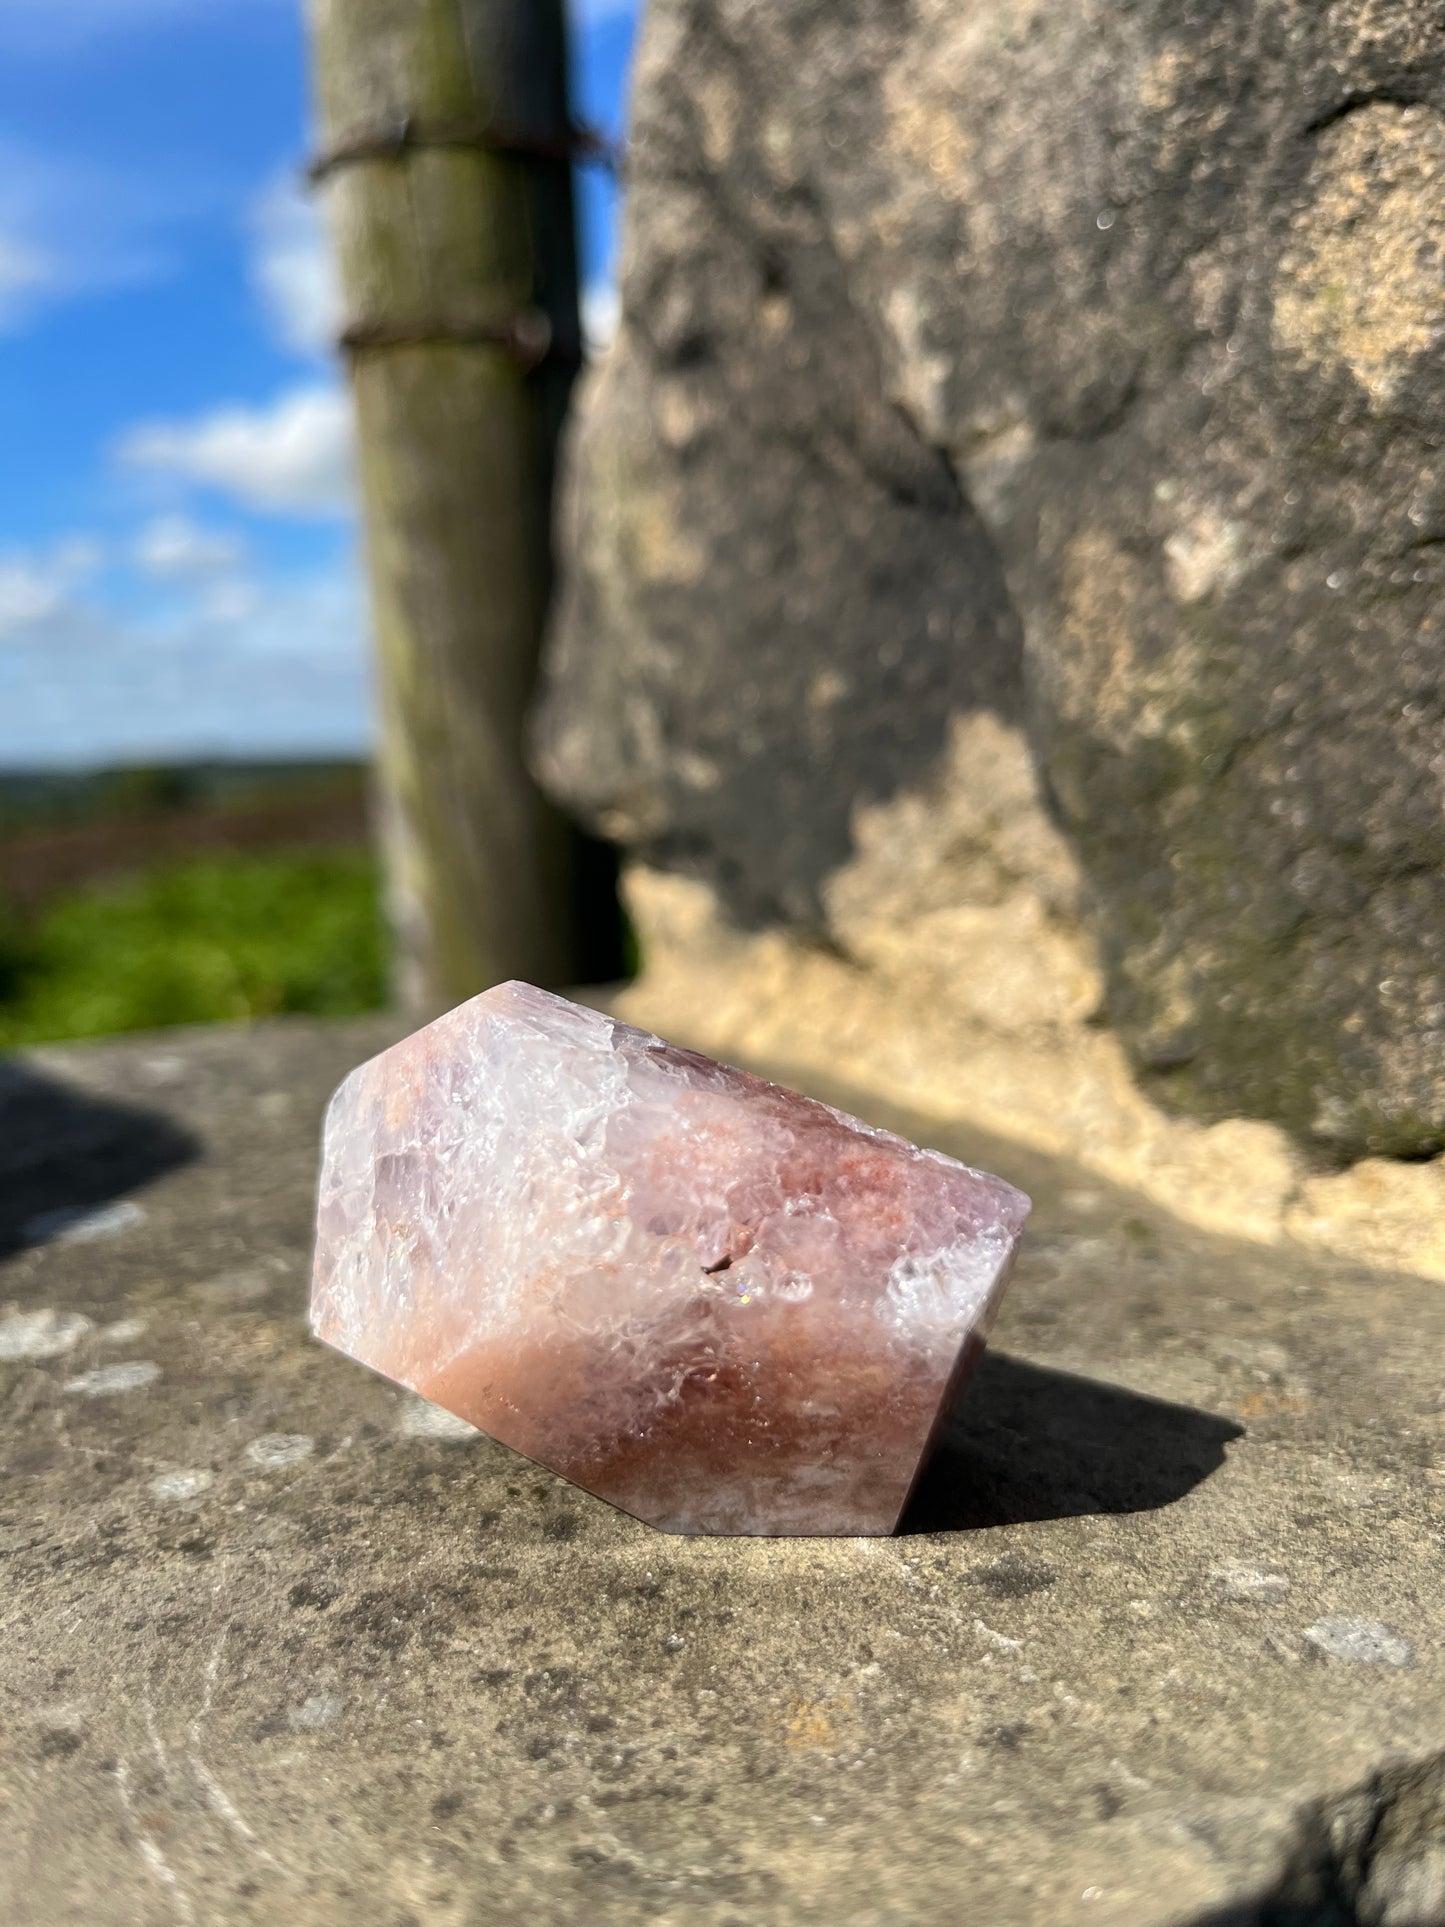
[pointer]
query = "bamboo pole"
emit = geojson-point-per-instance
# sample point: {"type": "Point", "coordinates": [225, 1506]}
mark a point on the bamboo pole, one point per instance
{"type": "Point", "coordinates": [444, 160]}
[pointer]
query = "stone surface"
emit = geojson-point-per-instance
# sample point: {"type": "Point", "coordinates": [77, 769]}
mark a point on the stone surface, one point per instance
{"type": "Point", "coordinates": [719, 1305]}
{"type": "Point", "coordinates": [1001, 362]}
{"type": "Point", "coordinates": [988, 1025]}
{"type": "Point", "coordinates": [408, 1676]}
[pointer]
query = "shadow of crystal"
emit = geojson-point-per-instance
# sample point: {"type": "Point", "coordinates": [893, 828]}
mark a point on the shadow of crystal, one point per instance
{"type": "Point", "coordinates": [1029, 1443]}
{"type": "Point", "coordinates": [65, 1155]}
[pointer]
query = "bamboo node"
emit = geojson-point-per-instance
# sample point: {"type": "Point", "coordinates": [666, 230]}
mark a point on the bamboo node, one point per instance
{"type": "Point", "coordinates": [529, 336]}
{"type": "Point", "coordinates": [407, 134]}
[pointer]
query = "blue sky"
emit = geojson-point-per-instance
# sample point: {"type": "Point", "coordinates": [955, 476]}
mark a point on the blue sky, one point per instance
{"type": "Point", "coordinates": [177, 552]}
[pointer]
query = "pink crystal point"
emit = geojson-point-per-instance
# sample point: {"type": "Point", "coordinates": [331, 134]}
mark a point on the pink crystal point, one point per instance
{"type": "Point", "coordinates": [721, 1306]}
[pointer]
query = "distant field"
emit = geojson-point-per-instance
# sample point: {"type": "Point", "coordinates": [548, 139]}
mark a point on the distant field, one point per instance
{"type": "Point", "coordinates": [61, 831]}
{"type": "Point", "coordinates": [28, 797]}
{"type": "Point", "coordinates": [147, 898]}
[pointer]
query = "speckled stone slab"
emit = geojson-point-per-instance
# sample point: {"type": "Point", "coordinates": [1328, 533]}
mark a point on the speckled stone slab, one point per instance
{"type": "Point", "coordinates": [719, 1305]}
{"type": "Point", "coordinates": [281, 1643]}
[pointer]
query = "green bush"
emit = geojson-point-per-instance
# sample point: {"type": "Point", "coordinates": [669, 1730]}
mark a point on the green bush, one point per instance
{"type": "Point", "coordinates": [210, 941]}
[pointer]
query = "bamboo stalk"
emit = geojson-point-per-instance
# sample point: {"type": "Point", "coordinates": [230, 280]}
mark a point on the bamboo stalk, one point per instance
{"type": "Point", "coordinates": [458, 266]}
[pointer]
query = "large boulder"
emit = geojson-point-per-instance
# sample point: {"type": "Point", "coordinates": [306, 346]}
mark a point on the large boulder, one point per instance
{"type": "Point", "coordinates": [1064, 378]}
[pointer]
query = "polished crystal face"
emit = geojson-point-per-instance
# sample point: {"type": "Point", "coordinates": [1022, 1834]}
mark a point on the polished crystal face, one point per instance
{"type": "Point", "coordinates": [721, 1306]}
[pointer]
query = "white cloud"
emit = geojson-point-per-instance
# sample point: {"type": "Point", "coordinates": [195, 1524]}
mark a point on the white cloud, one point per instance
{"type": "Point", "coordinates": [601, 312]}
{"type": "Point", "coordinates": [35, 586]}
{"type": "Point", "coordinates": [235, 600]}
{"type": "Point", "coordinates": [173, 546]}
{"type": "Point", "coordinates": [293, 268]}
{"type": "Point", "coordinates": [250, 664]}
{"type": "Point", "coordinates": [27, 594]}
{"type": "Point", "coordinates": [292, 456]}
{"type": "Point", "coordinates": [27, 275]}
{"type": "Point", "coordinates": [69, 230]}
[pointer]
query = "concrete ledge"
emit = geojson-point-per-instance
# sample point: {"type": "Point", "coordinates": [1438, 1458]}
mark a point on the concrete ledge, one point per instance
{"type": "Point", "coordinates": [281, 1645]}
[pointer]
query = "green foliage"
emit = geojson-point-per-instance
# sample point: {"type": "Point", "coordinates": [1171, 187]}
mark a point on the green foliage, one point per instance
{"type": "Point", "coordinates": [209, 941]}
{"type": "Point", "coordinates": [145, 791]}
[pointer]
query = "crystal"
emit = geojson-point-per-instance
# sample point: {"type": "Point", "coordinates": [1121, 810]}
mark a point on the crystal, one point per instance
{"type": "Point", "coordinates": [722, 1307]}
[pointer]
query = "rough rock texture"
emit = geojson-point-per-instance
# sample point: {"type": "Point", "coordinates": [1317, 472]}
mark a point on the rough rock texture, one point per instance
{"type": "Point", "coordinates": [1084, 361]}
{"type": "Point", "coordinates": [979, 1013]}
{"type": "Point", "coordinates": [1165, 1645]}
{"type": "Point", "coordinates": [719, 1305]}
